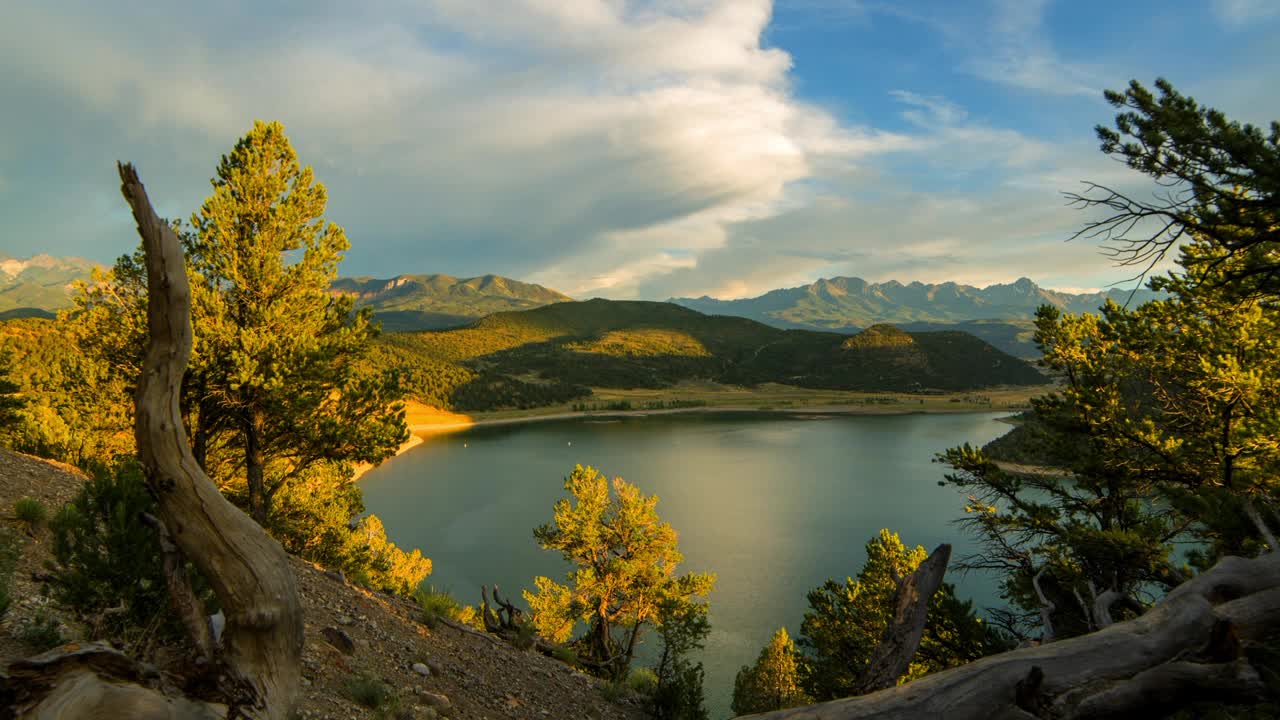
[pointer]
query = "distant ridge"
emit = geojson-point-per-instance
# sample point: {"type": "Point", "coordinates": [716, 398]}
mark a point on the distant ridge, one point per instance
{"type": "Point", "coordinates": [429, 302]}
{"type": "Point", "coordinates": [554, 354]}
{"type": "Point", "coordinates": [39, 283]}
{"type": "Point", "coordinates": [850, 303]}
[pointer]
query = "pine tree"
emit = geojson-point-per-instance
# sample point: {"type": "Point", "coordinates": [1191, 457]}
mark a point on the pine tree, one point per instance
{"type": "Point", "coordinates": [773, 683]}
{"type": "Point", "coordinates": [10, 399]}
{"type": "Point", "coordinates": [624, 560]}
{"type": "Point", "coordinates": [846, 621]}
{"type": "Point", "coordinates": [285, 380]}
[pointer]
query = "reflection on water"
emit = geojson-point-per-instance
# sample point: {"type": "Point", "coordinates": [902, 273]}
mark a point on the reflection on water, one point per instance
{"type": "Point", "coordinates": [773, 505]}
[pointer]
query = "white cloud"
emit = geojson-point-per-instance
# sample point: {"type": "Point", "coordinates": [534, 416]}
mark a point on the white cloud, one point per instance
{"type": "Point", "coordinates": [1011, 47]}
{"type": "Point", "coordinates": [464, 132]}
{"type": "Point", "coordinates": [633, 149]}
{"type": "Point", "coordinates": [1240, 13]}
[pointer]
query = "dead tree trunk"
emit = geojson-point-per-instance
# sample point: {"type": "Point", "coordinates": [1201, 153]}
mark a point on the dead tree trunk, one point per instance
{"type": "Point", "coordinates": [901, 638]}
{"type": "Point", "coordinates": [1188, 647]}
{"type": "Point", "coordinates": [249, 572]}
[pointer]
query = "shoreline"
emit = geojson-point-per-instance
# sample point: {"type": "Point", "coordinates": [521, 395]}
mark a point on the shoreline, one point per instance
{"type": "Point", "coordinates": [424, 430]}
{"type": "Point", "coordinates": [419, 432]}
{"type": "Point", "coordinates": [424, 421]}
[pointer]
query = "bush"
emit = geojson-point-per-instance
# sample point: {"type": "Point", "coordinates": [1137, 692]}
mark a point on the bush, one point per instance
{"type": "Point", "coordinates": [106, 557]}
{"type": "Point", "coordinates": [681, 697]}
{"type": "Point", "coordinates": [30, 511]}
{"type": "Point", "coordinates": [615, 691]}
{"type": "Point", "coordinates": [643, 680]}
{"type": "Point", "coordinates": [436, 604]}
{"type": "Point", "coordinates": [368, 690]}
{"type": "Point", "coordinates": [566, 655]}
{"type": "Point", "coordinates": [41, 633]}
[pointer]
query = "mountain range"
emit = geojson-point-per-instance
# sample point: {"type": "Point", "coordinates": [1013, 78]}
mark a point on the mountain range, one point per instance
{"type": "Point", "coordinates": [427, 302]}
{"type": "Point", "coordinates": [849, 303]}
{"type": "Point", "coordinates": [999, 314]}
{"type": "Point", "coordinates": [39, 285]}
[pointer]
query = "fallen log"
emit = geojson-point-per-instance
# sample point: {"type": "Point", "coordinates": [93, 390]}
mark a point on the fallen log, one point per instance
{"type": "Point", "coordinates": [1172, 654]}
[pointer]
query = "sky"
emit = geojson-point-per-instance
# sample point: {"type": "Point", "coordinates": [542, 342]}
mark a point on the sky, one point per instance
{"type": "Point", "coordinates": [615, 148]}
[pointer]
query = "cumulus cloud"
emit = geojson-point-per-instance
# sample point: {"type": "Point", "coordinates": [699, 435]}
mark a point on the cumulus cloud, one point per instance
{"type": "Point", "coordinates": [599, 146]}
{"type": "Point", "coordinates": [518, 134]}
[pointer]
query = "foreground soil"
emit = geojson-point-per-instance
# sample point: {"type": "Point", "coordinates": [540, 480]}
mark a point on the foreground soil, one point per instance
{"type": "Point", "coordinates": [351, 633]}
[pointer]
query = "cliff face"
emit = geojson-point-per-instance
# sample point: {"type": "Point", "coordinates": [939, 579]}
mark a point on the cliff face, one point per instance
{"type": "Point", "coordinates": [350, 632]}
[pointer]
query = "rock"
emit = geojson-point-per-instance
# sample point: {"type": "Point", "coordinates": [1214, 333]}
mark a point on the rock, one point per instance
{"type": "Point", "coordinates": [336, 575]}
{"type": "Point", "coordinates": [344, 620]}
{"type": "Point", "coordinates": [439, 701]}
{"type": "Point", "coordinates": [421, 669]}
{"type": "Point", "coordinates": [339, 639]}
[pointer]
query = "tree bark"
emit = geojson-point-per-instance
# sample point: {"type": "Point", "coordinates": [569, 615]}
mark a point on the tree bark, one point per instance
{"type": "Point", "coordinates": [890, 659]}
{"type": "Point", "coordinates": [255, 465]}
{"type": "Point", "coordinates": [249, 572]}
{"type": "Point", "coordinates": [1172, 654]}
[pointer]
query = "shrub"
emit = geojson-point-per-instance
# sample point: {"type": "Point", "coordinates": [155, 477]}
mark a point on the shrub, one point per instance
{"type": "Point", "coordinates": [526, 634]}
{"type": "Point", "coordinates": [643, 680]}
{"type": "Point", "coordinates": [41, 633]}
{"type": "Point", "coordinates": [615, 691]}
{"type": "Point", "coordinates": [368, 690]}
{"type": "Point", "coordinates": [30, 511]}
{"type": "Point", "coordinates": [566, 655]}
{"type": "Point", "coordinates": [106, 557]}
{"type": "Point", "coordinates": [436, 604]}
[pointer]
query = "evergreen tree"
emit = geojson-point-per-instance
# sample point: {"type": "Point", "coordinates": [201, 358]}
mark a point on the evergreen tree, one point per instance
{"type": "Point", "coordinates": [624, 561]}
{"type": "Point", "coordinates": [10, 399]}
{"type": "Point", "coordinates": [1167, 426]}
{"type": "Point", "coordinates": [281, 399]}
{"type": "Point", "coordinates": [1219, 183]}
{"type": "Point", "coordinates": [773, 683]}
{"type": "Point", "coordinates": [846, 621]}
{"type": "Point", "coordinates": [285, 382]}
{"type": "Point", "coordinates": [682, 627]}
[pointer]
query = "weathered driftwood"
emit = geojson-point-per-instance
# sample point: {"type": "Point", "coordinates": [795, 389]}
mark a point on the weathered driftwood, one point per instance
{"type": "Point", "coordinates": [91, 680]}
{"type": "Point", "coordinates": [892, 656]}
{"type": "Point", "coordinates": [249, 572]}
{"type": "Point", "coordinates": [1187, 647]}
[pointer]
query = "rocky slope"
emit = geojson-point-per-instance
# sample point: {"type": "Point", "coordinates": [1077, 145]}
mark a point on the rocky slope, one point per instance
{"type": "Point", "coordinates": [442, 672]}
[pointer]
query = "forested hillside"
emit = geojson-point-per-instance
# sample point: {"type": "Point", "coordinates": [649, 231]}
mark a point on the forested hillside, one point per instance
{"type": "Point", "coordinates": [554, 354]}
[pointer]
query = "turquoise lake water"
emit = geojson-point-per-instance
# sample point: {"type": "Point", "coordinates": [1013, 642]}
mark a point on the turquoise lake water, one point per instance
{"type": "Point", "coordinates": [773, 504]}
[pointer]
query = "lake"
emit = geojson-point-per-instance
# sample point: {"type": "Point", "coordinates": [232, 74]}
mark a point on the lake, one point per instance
{"type": "Point", "coordinates": [773, 504]}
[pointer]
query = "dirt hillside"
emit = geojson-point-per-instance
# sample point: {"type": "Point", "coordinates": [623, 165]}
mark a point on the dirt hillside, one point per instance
{"type": "Point", "coordinates": [350, 632]}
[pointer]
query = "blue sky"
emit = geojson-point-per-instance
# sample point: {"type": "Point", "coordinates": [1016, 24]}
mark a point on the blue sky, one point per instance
{"type": "Point", "coordinates": [622, 149]}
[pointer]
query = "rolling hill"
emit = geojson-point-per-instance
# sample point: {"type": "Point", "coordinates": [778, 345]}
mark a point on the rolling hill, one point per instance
{"type": "Point", "coordinates": [427, 302]}
{"type": "Point", "coordinates": [1016, 337]}
{"type": "Point", "coordinates": [850, 303]}
{"type": "Point", "coordinates": [555, 353]}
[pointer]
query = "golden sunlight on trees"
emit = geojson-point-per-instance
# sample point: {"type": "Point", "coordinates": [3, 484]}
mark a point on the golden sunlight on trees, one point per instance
{"type": "Point", "coordinates": [773, 683]}
{"type": "Point", "coordinates": [624, 563]}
